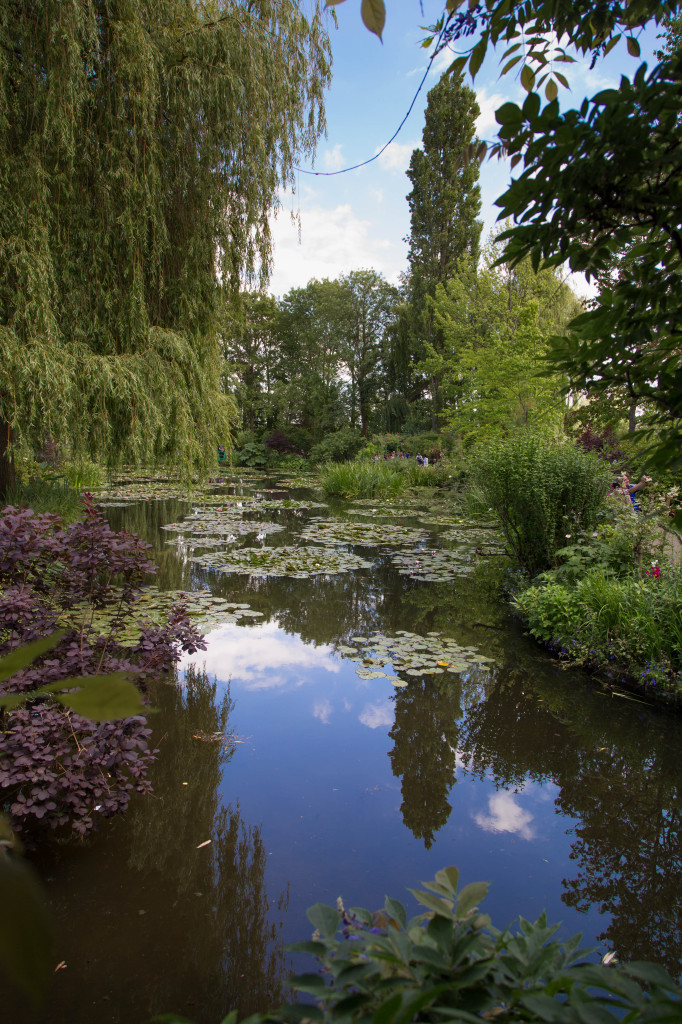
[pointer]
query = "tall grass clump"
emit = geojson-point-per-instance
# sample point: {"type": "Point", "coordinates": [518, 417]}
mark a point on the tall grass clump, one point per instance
{"type": "Point", "coordinates": [543, 490]}
{"type": "Point", "coordinates": [421, 476]}
{"type": "Point", "coordinates": [362, 480]}
{"type": "Point", "coordinates": [56, 496]}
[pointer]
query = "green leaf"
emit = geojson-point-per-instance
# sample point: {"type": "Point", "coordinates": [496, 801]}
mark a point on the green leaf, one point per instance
{"type": "Point", "coordinates": [313, 948]}
{"type": "Point", "coordinates": [433, 902]}
{"type": "Point", "coordinates": [508, 113]}
{"type": "Point", "coordinates": [102, 698]}
{"type": "Point", "coordinates": [324, 918]}
{"type": "Point", "coordinates": [312, 983]}
{"type": "Point", "coordinates": [26, 936]}
{"type": "Point", "coordinates": [396, 910]}
{"type": "Point", "coordinates": [477, 55]}
{"type": "Point", "coordinates": [15, 699]}
{"type": "Point", "coordinates": [385, 1013]}
{"type": "Point", "coordinates": [374, 15]}
{"type": "Point", "coordinates": [551, 90]}
{"type": "Point", "coordinates": [21, 657]}
{"type": "Point", "coordinates": [633, 46]}
{"type": "Point", "coordinates": [457, 66]}
{"type": "Point", "coordinates": [470, 897]}
{"type": "Point", "coordinates": [448, 878]}
{"type": "Point", "coordinates": [651, 973]}
{"type": "Point", "coordinates": [527, 77]}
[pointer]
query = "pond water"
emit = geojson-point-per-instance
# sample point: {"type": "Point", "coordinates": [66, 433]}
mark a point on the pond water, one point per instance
{"type": "Point", "coordinates": [313, 781]}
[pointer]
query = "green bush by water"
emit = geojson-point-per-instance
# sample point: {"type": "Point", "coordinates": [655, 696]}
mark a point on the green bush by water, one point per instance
{"type": "Point", "coordinates": [542, 489]}
{"type": "Point", "coordinates": [338, 447]}
{"type": "Point", "coordinates": [633, 623]}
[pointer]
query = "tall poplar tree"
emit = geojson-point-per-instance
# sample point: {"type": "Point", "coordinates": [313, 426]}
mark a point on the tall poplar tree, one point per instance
{"type": "Point", "coordinates": [444, 203]}
{"type": "Point", "coordinates": [142, 147]}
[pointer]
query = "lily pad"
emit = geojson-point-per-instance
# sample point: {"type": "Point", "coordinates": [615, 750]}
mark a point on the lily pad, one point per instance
{"type": "Point", "coordinates": [297, 562]}
{"type": "Point", "coordinates": [411, 654]}
{"type": "Point", "coordinates": [438, 565]}
{"type": "Point", "coordinates": [335, 531]}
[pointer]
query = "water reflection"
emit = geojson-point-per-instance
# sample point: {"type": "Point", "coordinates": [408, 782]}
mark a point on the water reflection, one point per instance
{"type": "Point", "coordinates": [180, 926]}
{"type": "Point", "coordinates": [523, 774]}
{"type": "Point", "coordinates": [616, 769]}
{"type": "Point", "coordinates": [425, 737]}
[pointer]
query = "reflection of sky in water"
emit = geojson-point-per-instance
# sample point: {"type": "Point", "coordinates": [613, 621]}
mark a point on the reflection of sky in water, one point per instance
{"type": "Point", "coordinates": [261, 657]}
{"type": "Point", "coordinates": [315, 769]}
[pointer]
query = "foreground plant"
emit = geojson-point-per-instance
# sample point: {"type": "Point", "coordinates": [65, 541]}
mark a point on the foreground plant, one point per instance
{"type": "Point", "coordinates": [59, 768]}
{"type": "Point", "coordinates": [451, 964]}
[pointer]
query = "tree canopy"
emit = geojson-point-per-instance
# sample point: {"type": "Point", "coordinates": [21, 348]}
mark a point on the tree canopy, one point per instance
{"type": "Point", "coordinates": [142, 146]}
{"type": "Point", "coordinates": [595, 182]}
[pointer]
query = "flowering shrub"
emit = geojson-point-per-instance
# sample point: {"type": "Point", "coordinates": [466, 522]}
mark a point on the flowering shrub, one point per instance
{"type": "Point", "coordinates": [58, 768]}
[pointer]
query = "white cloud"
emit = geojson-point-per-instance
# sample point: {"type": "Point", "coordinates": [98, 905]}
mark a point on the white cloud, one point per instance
{"type": "Point", "coordinates": [333, 241]}
{"type": "Point", "coordinates": [397, 156]}
{"type": "Point", "coordinates": [333, 159]}
{"type": "Point", "coordinates": [377, 194]}
{"type": "Point", "coordinates": [486, 125]}
{"type": "Point", "coordinates": [260, 657]}
{"type": "Point", "coordinates": [322, 709]}
{"type": "Point", "coordinates": [505, 816]}
{"type": "Point", "coordinates": [377, 716]}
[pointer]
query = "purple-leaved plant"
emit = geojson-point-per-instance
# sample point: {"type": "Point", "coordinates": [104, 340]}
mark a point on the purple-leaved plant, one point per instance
{"type": "Point", "coordinates": [58, 769]}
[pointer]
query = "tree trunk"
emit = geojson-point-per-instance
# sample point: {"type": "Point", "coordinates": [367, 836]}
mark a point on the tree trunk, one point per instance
{"type": "Point", "coordinates": [632, 417]}
{"type": "Point", "coordinates": [7, 475]}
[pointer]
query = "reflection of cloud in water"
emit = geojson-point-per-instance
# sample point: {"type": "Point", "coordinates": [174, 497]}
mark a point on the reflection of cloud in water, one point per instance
{"type": "Point", "coordinates": [322, 709]}
{"type": "Point", "coordinates": [505, 816]}
{"type": "Point", "coordinates": [262, 657]}
{"type": "Point", "coordinates": [374, 716]}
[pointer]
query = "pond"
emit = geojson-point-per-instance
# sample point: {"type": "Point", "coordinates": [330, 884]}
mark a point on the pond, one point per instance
{"type": "Point", "coordinates": [348, 733]}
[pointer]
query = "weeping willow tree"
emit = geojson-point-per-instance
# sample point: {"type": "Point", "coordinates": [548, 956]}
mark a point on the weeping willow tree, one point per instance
{"type": "Point", "coordinates": [142, 147]}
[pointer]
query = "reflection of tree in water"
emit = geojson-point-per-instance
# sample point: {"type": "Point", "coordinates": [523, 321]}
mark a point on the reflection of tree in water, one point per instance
{"type": "Point", "coordinates": [628, 849]}
{"type": "Point", "coordinates": [212, 934]}
{"type": "Point", "coordinates": [425, 736]}
{"type": "Point", "coordinates": [512, 736]}
{"type": "Point", "coordinates": [618, 775]}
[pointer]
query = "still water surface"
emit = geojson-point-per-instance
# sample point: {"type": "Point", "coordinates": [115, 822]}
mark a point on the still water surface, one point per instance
{"type": "Point", "coordinates": [324, 784]}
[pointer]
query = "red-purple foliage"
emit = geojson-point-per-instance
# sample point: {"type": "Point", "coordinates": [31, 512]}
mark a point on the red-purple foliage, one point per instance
{"type": "Point", "coordinates": [57, 768]}
{"type": "Point", "coordinates": [604, 443]}
{"type": "Point", "coordinates": [278, 441]}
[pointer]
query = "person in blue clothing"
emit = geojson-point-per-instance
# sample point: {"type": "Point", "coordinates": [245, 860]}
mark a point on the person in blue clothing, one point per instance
{"type": "Point", "coordinates": [629, 490]}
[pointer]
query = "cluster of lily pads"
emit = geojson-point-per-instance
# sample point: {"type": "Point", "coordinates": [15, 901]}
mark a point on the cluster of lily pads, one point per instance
{"type": "Point", "coordinates": [437, 565]}
{"type": "Point", "coordinates": [296, 562]}
{"type": "Point", "coordinates": [215, 523]}
{"type": "Point", "coordinates": [206, 611]}
{"type": "Point", "coordinates": [392, 511]}
{"type": "Point", "coordinates": [410, 653]}
{"type": "Point", "coordinates": [335, 531]}
{"type": "Point", "coordinates": [483, 540]}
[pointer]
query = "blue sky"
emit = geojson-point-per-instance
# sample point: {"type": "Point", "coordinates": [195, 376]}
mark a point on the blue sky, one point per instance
{"type": "Point", "coordinates": [361, 219]}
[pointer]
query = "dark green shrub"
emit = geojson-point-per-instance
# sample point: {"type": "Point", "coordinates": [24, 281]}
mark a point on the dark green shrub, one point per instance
{"type": "Point", "coordinates": [301, 439]}
{"type": "Point", "coordinates": [543, 491]}
{"type": "Point", "coordinates": [252, 454]}
{"type": "Point", "coordinates": [340, 447]}
{"type": "Point", "coordinates": [450, 964]}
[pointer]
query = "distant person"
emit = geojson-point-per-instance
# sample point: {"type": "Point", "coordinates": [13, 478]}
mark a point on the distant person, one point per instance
{"type": "Point", "coordinates": [419, 460]}
{"type": "Point", "coordinates": [628, 490]}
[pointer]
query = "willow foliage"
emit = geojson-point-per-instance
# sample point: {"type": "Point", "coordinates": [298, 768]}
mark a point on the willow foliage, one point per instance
{"type": "Point", "coordinates": [142, 147]}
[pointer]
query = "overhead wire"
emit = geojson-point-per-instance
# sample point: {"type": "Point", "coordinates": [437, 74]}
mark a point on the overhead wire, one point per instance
{"type": "Point", "coordinates": [371, 159]}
